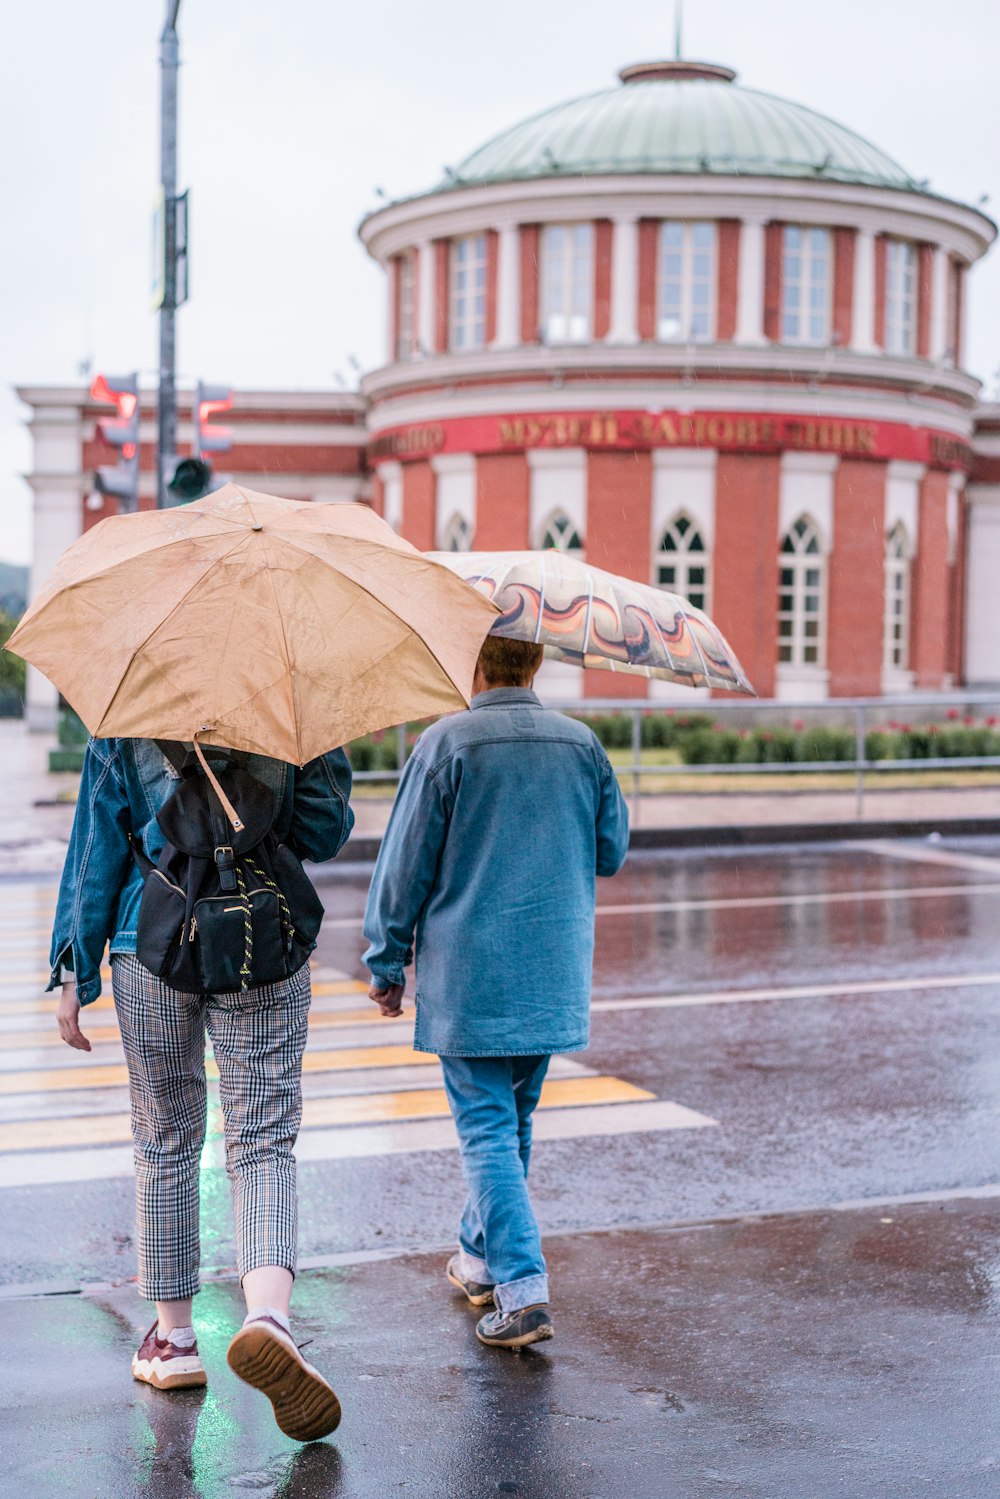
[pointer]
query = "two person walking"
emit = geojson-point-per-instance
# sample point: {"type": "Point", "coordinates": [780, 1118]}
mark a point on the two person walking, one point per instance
{"type": "Point", "coordinates": [504, 816]}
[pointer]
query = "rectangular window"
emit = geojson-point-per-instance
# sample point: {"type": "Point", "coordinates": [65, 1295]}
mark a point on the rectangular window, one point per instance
{"type": "Point", "coordinates": [567, 283]}
{"type": "Point", "coordinates": [805, 286]}
{"type": "Point", "coordinates": [406, 308]}
{"type": "Point", "coordinates": [686, 282]}
{"type": "Point", "coordinates": [468, 292]}
{"type": "Point", "coordinates": [900, 297]}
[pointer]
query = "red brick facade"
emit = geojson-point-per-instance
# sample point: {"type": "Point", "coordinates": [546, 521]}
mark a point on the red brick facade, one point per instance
{"type": "Point", "coordinates": [856, 589]}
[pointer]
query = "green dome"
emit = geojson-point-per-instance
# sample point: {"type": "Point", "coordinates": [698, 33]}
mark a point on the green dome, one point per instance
{"type": "Point", "coordinates": [680, 118]}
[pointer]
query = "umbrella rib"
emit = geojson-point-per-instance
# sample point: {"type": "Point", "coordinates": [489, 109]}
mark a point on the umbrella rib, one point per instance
{"type": "Point", "coordinates": [284, 646]}
{"type": "Point", "coordinates": [697, 645]}
{"type": "Point", "coordinates": [161, 622]}
{"type": "Point", "coordinates": [379, 600]}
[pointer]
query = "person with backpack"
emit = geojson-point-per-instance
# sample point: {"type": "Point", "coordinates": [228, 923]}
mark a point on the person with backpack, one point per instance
{"type": "Point", "coordinates": [187, 863]}
{"type": "Point", "coordinates": [504, 816]}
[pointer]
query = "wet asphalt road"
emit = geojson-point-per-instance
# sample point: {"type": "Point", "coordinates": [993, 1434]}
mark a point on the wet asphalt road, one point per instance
{"type": "Point", "coordinates": [837, 1011]}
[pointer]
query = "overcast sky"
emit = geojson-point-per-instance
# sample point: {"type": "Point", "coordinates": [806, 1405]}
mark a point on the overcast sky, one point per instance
{"type": "Point", "coordinates": [293, 112]}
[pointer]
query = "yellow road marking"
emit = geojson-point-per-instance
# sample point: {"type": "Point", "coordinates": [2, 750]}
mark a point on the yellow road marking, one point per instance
{"type": "Point", "coordinates": [115, 1074]}
{"type": "Point", "coordinates": [419, 1103]}
{"type": "Point", "coordinates": [322, 988]}
{"type": "Point", "coordinates": [102, 1034]}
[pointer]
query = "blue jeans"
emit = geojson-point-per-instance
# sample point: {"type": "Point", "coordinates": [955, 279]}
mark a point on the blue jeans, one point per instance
{"type": "Point", "coordinates": [492, 1100]}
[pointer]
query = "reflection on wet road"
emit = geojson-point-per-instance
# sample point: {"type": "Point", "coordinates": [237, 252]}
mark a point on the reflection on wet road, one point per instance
{"type": "Point", "coordinates": [775, 1032]}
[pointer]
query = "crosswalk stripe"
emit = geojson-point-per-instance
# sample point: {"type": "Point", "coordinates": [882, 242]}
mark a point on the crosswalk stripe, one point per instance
{"type": "Point", "coordinates": [115, 1074]}
{"type": "Point", "coordinates": [15, 1039]}
{"type": "Point", "coordinates": [362, 1108]}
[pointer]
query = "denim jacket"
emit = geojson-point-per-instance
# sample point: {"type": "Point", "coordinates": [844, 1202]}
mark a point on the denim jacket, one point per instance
{"type": "Point", "coordinates": [504, 816]}
{"type": "Point", "coordinates": [124, 784]}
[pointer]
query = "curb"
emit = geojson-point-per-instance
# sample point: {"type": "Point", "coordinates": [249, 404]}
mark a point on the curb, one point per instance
{"type": "Point", "coordinates": [365, 850]}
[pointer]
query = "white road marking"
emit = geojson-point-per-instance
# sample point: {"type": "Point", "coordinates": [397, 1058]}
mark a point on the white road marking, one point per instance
{"type": "Point", "coordinates": [37, 1168]}
{"type": "Point", "coordinates": [925, 853]}
{"type": "Point", "coordinates": [801, 991]}
{"type": "Point", "coordinates": [750, 902]}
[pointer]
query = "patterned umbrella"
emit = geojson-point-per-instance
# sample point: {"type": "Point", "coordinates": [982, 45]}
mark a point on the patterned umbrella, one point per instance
{"type": "Point", "coordinates": [587, 617]}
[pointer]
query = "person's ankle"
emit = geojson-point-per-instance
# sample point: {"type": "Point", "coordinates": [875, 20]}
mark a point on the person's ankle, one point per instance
{"type": "Point", "coordinates": [254, 1313]}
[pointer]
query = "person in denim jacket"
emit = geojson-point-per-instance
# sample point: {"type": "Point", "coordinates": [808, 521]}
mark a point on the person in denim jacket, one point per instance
{"type": "Point", "coordinates": [504, 816]}
{"type": "Point", "coordinates": [258, 1037]}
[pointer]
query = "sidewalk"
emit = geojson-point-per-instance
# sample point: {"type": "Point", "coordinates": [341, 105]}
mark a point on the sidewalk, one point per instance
{"type": "Point", "coordinates": [842, 1352]}
{"type": "Point", "coordinates": [33, 832]}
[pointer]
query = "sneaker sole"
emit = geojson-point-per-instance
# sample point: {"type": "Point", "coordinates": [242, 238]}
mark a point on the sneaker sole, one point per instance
{"type": "Point", "coordinates": [486, 1300]}
{"type": "Point", "coordinates": [305, 1407]}
{"type": "Point", "coordinates": [182, 1379]}
{"type": "Point", "coordinates": [537, 1335]}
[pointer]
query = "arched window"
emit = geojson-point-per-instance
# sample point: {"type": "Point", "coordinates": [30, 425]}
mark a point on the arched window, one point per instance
{"type": "Point", "coordinates": [457, 534]}
{"type": "Point", "coordinates": [682, 563]}
{"type": "Point", "coordinates": [896, 632]}
{"type": "Point", "coordinates": [559, 534]}
{"type": "Point", "coordinates": [801, 596]}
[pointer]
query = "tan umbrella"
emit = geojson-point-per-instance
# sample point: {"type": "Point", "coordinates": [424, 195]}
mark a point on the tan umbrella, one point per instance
{"type": "Point", "coordinates": [587, 617]}
{"type": "Point", "coordinates": [269, 625]}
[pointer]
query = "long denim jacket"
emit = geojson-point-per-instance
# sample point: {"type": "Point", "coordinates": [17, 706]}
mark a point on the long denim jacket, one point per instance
{"type": "Point", "coordinates": [504, 816]}
{"type": "Point", "coordinates": [125, 783]}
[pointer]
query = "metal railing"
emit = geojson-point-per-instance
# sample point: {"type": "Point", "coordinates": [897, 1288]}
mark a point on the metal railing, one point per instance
{"type": "Point", "coordinates": [862, 714]}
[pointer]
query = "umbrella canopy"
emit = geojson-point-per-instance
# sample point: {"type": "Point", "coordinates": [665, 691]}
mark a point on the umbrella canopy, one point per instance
{"type": "Point", "coordinates": [587, 617]}
{"type": "Point", "coordinates": [280, 627]}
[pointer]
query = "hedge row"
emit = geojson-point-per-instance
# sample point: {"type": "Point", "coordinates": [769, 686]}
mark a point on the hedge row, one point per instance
{"type": "Point", "coordinates": [699, 741]}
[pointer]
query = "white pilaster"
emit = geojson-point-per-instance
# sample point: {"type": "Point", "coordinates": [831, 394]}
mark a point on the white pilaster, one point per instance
{"type": "Point", "coordinates": [863, 311]}
{"type": "Point", "coordinates": [750, 301]}
{"type": "Point", "coordinates": [982, 611]}
{"type": "Point", "coordinates": [391, 475]}
{"type": "Point", "coordinates": [508, 288]}
{"type": "Point", "coordinates": [624, 281]}
{"type": "Point", "coordinates": [425, 298]}
{"type": "Point", "coordinates": [58, 521]}
{"type": "Point", "coordinates": [939, 306]}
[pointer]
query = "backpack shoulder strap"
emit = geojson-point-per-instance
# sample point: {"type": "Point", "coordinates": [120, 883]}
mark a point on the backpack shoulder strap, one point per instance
{"type": "Point", "coordinates": [174, 751]}
{"type": "Point", "coordinates": [146, 865]}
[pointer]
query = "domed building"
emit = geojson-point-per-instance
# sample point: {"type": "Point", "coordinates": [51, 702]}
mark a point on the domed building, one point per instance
{"type": "Point", "coordinates": [709, 338]}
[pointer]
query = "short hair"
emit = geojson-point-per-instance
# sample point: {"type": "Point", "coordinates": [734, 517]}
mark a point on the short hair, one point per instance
{"type": "Point", "coordinates": [509, 663]}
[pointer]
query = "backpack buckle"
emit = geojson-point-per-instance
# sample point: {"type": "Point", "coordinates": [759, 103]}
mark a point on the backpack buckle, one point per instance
{"type": "Point", "coordinates": [225, 863]}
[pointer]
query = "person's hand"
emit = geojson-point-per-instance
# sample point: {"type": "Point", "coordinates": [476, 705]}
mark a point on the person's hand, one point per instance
{"type": "Point", "coordinates": [68, 1018]}
{"type": "Point", "coordinates": [389, 1000]}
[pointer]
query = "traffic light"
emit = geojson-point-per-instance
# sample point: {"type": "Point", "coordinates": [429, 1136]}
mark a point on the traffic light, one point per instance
{"type": "Point", "coordinates": [193, 477]}
{"type": "Point", "coordinates": [122, 432]}
{"type": "Point", "coordinates": [209, 401]}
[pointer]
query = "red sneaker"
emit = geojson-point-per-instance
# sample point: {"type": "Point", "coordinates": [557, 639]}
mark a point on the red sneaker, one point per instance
{"type": "Point", "coordinates": [263, 1354]}
{"type": "Point", "coordinates": [165, 1367]}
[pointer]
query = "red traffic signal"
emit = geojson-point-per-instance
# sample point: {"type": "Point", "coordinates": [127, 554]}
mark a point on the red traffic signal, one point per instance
{"type": "Point", "coordinates": [122, 392]}
{"type": "Point", "coordinates": [208, 437]}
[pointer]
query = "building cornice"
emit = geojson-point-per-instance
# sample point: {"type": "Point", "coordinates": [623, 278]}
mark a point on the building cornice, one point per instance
{"type": "Point", "coordinates": [831, 401]}
{"type": "Point", "coordinates": [961, 230]}
{"type": "Point", "coordinates": [781, 364]}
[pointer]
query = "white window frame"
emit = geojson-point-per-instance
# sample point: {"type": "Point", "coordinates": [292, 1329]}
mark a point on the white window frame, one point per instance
{"type": "Point", "coordinates": [900, 296]}
{"type": "Point", "coordinates": [683, 529]}
{"type": "Point", "coordinates": [457, 534]}
{"type": "Point", "coordinates": [806, 595]}
{"type": "Point", "coordinates": [467, 293]}
{"type": "Point", "coordinates": [683, 277]}
{"type": "Point", "coordinates": [560, 533]}
{"type": "Point", "coordinates": [806, 297]}
{"type": "Point", "coordinates": [896, 620]}
{"type": "Point", "coordinates": [566, 283]}
{"type": "Point", "coordinates": [406, 320]}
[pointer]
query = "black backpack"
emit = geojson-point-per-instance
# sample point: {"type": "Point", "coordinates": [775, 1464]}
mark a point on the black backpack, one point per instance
{"type": "Point", "coordinates": [227, 906]}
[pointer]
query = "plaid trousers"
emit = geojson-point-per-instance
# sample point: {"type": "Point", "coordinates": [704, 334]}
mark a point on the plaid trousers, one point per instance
{"type": "Point", "coordinates": [258, 1038]}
